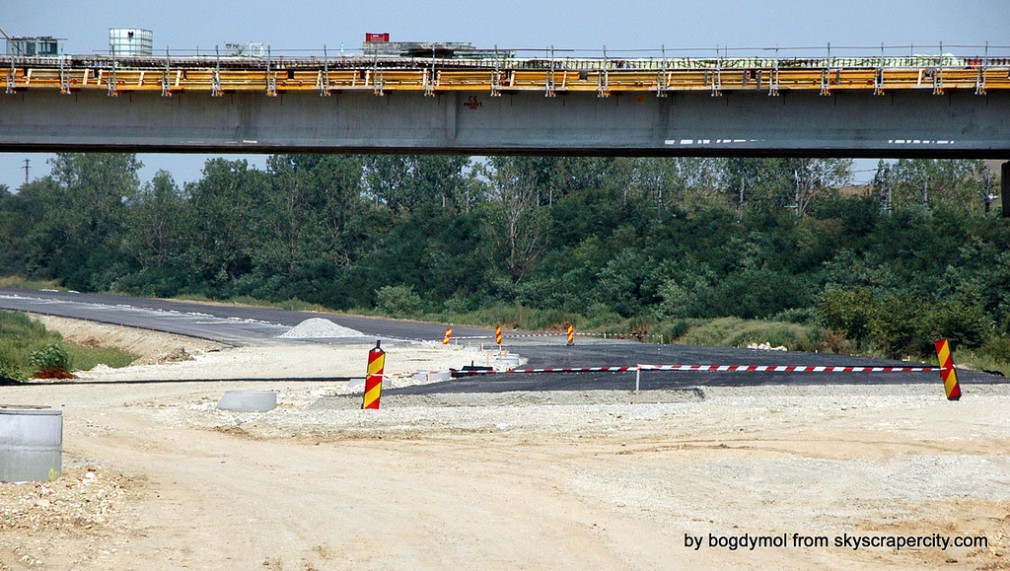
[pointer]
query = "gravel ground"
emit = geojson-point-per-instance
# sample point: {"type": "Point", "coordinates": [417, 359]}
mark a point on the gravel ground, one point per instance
{"type": "Point", "coordinates": [546, 480]}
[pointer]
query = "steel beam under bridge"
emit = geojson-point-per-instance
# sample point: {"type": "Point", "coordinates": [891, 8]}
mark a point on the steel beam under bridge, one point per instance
{"type": "Point", "coordinates": [855, 124]}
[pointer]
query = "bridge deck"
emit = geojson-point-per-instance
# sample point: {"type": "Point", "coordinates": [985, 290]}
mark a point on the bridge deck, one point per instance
{"type": "Point", "coordinates": [216, 76]}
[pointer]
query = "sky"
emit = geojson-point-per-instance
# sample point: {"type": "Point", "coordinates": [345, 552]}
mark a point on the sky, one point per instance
{"type": "Point", "coordinates": [293, 26]}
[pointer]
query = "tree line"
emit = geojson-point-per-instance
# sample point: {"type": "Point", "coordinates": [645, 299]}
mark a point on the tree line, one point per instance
{"type": "Point", "coordinates": [646, 241]}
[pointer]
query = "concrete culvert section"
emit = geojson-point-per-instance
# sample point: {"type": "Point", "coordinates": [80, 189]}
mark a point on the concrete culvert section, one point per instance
{"type": "Point", "coordinates": [31, 443]}
{"type": "Point", "coordinates": [248, 401]}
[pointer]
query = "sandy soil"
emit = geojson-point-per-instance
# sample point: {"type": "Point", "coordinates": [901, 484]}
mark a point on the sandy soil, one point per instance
{"type": "Point", "coordinates": [157, 478]}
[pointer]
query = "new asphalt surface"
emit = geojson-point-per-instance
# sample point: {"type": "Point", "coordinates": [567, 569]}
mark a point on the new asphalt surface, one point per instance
{"type": "Point", "coordinates": [244, 325]}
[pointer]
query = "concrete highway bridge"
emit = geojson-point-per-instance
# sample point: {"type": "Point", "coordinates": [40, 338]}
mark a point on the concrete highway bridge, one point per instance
{"type": "Point", "coordinates": [913, 106]}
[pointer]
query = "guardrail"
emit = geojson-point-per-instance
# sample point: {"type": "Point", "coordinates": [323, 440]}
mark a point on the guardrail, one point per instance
{"type": "Point", "coordinates": [501, 72]}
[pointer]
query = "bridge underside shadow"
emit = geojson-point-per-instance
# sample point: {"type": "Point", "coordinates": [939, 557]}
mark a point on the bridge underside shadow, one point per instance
{"type": "Point", "coordinates": [900, 124]}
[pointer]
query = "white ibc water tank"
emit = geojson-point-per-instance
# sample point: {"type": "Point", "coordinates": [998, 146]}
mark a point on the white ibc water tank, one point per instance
{"type": "Point", "coordinates": [31, 444]}
{"type": "Point", "coordinates": [131, 42]}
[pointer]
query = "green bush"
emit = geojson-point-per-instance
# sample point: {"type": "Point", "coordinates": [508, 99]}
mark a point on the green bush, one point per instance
{"type": "Point", "coordinates": [398, 301]}
{"type": "Point", "coordinates": [997, 348]}
{"type": "Point", "coordinates": [848, 310]}
{"type": "Point", "coordinates": [52, 356]}
{"type": "Point", "coordinates": [966, 326]}
{"type": "Point", "coordinates": [800, 315]}
{"type": "Point", "coordinates": [899, 331]}
{"type": "Point", "coordinates": [671, 330]}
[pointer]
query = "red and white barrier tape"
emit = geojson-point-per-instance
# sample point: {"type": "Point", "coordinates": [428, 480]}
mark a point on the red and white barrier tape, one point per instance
{"type": "Point", "coordinates": [718, 369]}
{"type": "Point", "coordinates": [576, 370]}
{"type": "Point", "coordinates": [785, 369]}
{"type": "Point", "coordinates": [512, 336]}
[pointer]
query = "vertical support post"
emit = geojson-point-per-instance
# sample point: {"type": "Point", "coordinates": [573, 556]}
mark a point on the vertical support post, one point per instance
{"type": "Point", "coordinates": [638, 378]}
{"type": "Point", "coordinates": [216, 80]}
{"type": "Point", "coordinates": [271, 78]}
{"type": "Point", "coordinates": [661, 80]}
{"type": "Point", "coordinates": [166, 80]}
{"type": "Point", "coordinates": [773, 85]}
{"type": "Point", "coordinates": [10, 79]}
{"type": "Point", "coordinates": [980, 87]}
{"type": "Point", "coordinates": [938, 76]}
{"type": "Point", "coordinates": [717, 79]}
{"type": "Point", "coordinates": [64, 78]}
{"type": "Point", "coordinates": [373, 381]}
{"type": "Point", "coordinates": [878, 76]}
{"type": "Point", "coordinates": [324, 83]}
{"type": "Point", "coordinates": [111, 83]}
{"type": "Point", "coordinates": [496, 76]}
{"type": "Point", "coordinates": [603, 79]}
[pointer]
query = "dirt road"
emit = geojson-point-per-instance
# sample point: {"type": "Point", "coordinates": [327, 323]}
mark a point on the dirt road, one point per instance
{"type": "Point", "coordinates": [176, 484]}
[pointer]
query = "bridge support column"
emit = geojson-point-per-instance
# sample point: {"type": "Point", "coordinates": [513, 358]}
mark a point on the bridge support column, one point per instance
{"type": "Point", "coordinates": [1004, 188]}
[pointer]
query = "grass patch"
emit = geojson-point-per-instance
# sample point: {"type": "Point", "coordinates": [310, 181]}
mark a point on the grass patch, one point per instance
{"type": "Point", "coordinates": [981, 361]}
{"type": "Point", "coordinates": [292, 304]}
{"type": "Point", "coordinates": [736, 332]}
{"type": "Point", "coordinates": [25, 283]}
{"type": "Point", "coordinates": [83, 358]}
{"type": "Point", "coordinates": [27, 347]}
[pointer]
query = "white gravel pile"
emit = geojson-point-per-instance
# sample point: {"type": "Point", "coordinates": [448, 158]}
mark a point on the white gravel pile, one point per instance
{"type": "Point", "coordinates": [318, 328]}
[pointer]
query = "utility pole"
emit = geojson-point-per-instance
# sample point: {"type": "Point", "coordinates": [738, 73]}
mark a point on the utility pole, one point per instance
{"type": "Point", "coordinates": [26, 170]}
{"type": "Point", "coordinates": [739, 210]}
{"type": "Point", "coordinates": [989, 196]}
{"type": "Point", "coordinates": [796, 191]}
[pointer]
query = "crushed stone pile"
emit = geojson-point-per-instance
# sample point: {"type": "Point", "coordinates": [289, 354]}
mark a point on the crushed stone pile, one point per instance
{"type": "Point", "coordinates": [319, 328]}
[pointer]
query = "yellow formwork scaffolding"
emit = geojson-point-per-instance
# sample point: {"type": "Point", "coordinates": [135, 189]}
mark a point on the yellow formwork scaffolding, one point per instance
{"type": "Point", "coordinates": [496, 77]}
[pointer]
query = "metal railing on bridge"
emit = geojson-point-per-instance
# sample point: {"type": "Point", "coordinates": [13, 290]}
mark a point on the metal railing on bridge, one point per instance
{"type": "Point", "coordinates": [549, 71]}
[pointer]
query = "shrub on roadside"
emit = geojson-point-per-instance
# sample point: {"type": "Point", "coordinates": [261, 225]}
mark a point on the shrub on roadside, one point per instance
{"type": "Point", "coordinates": [398, 301]}
{"type": "Point", "coordinates": [52, 356]}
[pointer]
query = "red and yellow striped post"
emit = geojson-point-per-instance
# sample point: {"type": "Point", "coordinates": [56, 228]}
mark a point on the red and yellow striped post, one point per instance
{"type": "Point", "coordinates": [947, 372]}
{"type": "Point", "coordinates": [497, 335]}
{"type": "Point", "coordinates": [373, 382]}
{"type": "Point", "coordinates": [571, 334]}
{"type": "Point", "coordinates": [448, 335]}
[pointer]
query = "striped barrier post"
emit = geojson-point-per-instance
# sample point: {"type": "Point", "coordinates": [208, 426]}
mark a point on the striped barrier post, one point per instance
{"type": "Point", "coordinates": [448, 335]}
{"type": "Point", "coordinates": [497, 335]}
{"type": "Point", "coordinates": [947, 372]}
{"type": "Point", "coordinates": [373, 381]}
{"type": "Point", "coordinates": [571, 335]}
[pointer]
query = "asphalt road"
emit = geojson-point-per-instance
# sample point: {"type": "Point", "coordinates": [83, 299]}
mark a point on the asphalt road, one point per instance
{"type": "Point", "coordinates": [232, 324]}
{"type": "Point", "coordinates": [242, 325]}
